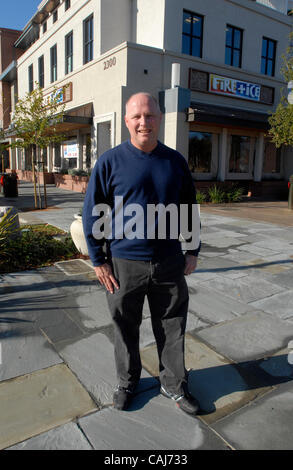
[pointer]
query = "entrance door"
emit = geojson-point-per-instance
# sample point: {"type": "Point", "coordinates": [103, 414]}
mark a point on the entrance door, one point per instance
{"type": "Point", "coordinates": [241, 150]}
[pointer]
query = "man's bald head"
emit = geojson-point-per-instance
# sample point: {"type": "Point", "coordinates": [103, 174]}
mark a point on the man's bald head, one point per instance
{"type": "Point", "coordinates": [143, 119]}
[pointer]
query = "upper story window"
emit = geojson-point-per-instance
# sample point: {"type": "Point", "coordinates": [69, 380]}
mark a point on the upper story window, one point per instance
{"type": "Point", "coordinates": [53, 57]}
{"type": "Point", "coordinates": [55, 16]}
{"type": "Point", "coordinates": [44, 27]}
{"type": "Point", "coordinates": [30, 78]}
{"type": "Point", "coordinates": [88, 39]}
{"type": "Point", "coordinates": [69, 53]}
{"type": "Point", "coordinates": [67, 4]}
{"type": "Point", "coordinates": [233, 51]}
{"type": "Point", "coordinates": [192, 34]}
{"type": "Point", "coordinates": [268, 56]}
{"type": "Point", "coordinates": [41, 72]}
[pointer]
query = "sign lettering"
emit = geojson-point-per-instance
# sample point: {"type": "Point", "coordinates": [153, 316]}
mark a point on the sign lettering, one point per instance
{"type": "Point", "coordinates": [232, 87]}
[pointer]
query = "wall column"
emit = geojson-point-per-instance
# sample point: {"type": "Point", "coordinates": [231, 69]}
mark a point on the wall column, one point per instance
{"type": "Point", "coordinates": [223, 151]}
{"type": "Point", "coordinates": [259, 156]}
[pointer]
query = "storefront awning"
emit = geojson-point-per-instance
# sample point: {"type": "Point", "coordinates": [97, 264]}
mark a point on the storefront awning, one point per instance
{"type": "Point", "coordinates": [67, 123]}
{"type": "Point", "coordinates": [221, 115]}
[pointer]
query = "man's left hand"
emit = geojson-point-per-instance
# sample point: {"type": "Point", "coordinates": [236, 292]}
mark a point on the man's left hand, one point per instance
{"type": "Point", "coordinates": [190, 264]}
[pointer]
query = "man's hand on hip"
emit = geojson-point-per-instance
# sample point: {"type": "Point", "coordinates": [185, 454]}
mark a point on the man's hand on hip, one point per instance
{"type": "Point", "coordinates": [190, 264]}
{"type": "Point", "coordinates": [105, 275]}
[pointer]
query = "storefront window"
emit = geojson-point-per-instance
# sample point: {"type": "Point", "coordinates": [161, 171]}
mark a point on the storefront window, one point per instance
{"type": "Point", "coordinates": [200, 152]}
{"type": "Point", "coordinates": [70, 153]}
{"type": "Point", "coordinates": [272, 158]}
{"type": "Point", "coordinates": [240, 153]}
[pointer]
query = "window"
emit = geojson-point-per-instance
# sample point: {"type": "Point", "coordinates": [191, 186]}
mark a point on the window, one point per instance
{"type": "Point", "coordinates": [41, 71]}
{"type": "Point", "coordinates": [240, 154]}
{"type": "Point", "coordinates": [192, 34]}
{"type": "Point", "coordinates": [53, 54]}
{"type": "Point", "coordinates": [67, 4]}
{"type": "Point", "coordinates": [233, 51]}
{"type": "Point", "coordinates": [69, 53]}
{"type": "Point", "coordinates": [44, 27]}
{"type": "Point", "coordinates": [272, 158]}
{"type": "Point", "coordinates": [200, 152]}
{"type": "Point", "coordinates": [55, 16]}
{"type": "Point", "coordinates": [88, 39]}
{"type": "Point", "coordinates": [30, 78]}
{"type": "Point", "coordinates": [268, 55]}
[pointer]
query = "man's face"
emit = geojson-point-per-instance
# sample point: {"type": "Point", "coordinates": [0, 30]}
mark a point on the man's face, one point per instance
{"type": "Point", "coordinates": [143, 119]}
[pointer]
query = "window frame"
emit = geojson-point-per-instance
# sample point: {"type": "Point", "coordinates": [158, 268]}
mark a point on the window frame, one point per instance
{"type": "Point", "coordinates": [88, 42]}
{"type": "Point", "coordinates": [68, 53]}
{"type": "Point", "coordinates": [55, 16]}
{"type": "Point", "coordinates": [233, 48]}
{"type": "Point", "coordinates": [192, 36]}
{"type": "Point", "coordinates": [53, 66]}
{"type": "Point", "coordinates": [30, 78]}
{"type": "Point", "coordinates": [41, 71]}
{"type": "Point", "coordinates": [268, 59]}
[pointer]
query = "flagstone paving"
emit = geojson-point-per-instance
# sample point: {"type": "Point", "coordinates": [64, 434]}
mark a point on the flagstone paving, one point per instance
{"type": "Point", "coordinates": [57, 359]}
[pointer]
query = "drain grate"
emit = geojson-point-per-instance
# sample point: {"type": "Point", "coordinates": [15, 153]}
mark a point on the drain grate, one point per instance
{"type": "Point", "coordinates": [74, 266]}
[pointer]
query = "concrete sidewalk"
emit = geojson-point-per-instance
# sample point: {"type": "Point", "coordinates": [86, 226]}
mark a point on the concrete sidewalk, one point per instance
{"type": "Point", "coordinates": [56, 343]}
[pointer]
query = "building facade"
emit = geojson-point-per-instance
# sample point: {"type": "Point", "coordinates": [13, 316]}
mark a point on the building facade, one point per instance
{"type": "Point", "coordinates": [214, 67]}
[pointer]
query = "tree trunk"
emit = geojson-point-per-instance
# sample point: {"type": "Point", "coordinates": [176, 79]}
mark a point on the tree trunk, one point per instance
{"type": "Point", "coordinates": [34, 178]}
{"type": "Point", "coordinates": [44, 181]}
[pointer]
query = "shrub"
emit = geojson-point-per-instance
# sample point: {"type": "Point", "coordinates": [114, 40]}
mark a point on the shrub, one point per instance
{"type": "Point", "coordinates": [234, 193]}
{"type": "Point", "coordinates": [200, 197]}
{"type": "Point", "coordinates": [35, 249]}
{"type": "Point", "coordinates": [216, 194]}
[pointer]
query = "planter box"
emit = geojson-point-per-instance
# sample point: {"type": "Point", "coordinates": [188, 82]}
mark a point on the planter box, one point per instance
{"type": "Point", "coordinates": [71, 183]}
{"type": "Point", "coordinates": [26, 175]}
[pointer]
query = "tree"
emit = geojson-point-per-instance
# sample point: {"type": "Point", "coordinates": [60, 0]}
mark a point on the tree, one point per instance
{"type": "Point", "coordinates": [281, 121]}
{"type": "Point", "coordinates": [35, 119]}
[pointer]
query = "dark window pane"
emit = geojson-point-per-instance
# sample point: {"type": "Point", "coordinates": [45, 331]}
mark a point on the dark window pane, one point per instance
{"type": "Point", "coordinates": [236, 58]}
{"type": "Point", "coordinates": [200, 152]}
{"type": "Point", "coordinates": [272, 158]}
{"type": "Point", "coordinates": [271, 49]}
{"type": "Point", "coordinates": [228, 55]}
{"type": "Point", "coordinates": [237, 38]}
{"type": "Point", "coordinates": [185, 44]}
{"type": "Point", "coordinates": [239, 157]}
{"type": "Point", "coordinates": [263, 65]}
{"type": "Point", "coordinates": [264, 48]}
{"type": "Point", "coordinates": [197, 26]}
{"type": "Point", "coordinates": [270, 67]}
{"type": "Point", "coordinates": [229, 36]}
{"type": "Point", "coordinates": [187, 22]}
{"type": "Point", "coordinates": [196, 45]}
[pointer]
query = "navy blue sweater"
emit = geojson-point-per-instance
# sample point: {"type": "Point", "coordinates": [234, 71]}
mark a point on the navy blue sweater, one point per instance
{"type": "Point", "coordinates": [161, 176]}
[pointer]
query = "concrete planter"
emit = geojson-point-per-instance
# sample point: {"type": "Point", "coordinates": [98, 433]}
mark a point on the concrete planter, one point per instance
{"type": "Point", "coordinates": [77, 235]}
{"type": "Point", "coordinates": [71, 182]}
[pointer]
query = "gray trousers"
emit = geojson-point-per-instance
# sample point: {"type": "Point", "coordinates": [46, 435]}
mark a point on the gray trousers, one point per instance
{"type": "Point", "coordinates": [165, 287]}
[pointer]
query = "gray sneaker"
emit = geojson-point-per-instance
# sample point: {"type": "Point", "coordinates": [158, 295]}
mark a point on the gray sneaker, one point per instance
{"type": "Point", "coordinates": [185, 402]}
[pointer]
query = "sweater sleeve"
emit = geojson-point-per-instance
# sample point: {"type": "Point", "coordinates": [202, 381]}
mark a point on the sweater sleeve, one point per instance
{"type": "Point", "coordinates": [192, 221]}
{"type": "Point", "coordinates": [97, 193]}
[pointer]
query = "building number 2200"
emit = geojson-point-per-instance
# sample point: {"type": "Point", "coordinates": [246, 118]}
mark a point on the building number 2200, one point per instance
{"type": "Point", "coordinates": [109, 63]}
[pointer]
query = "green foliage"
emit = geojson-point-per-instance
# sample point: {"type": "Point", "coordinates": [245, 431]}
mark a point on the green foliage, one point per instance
{"type": "Point", "coordinates": [234, 193]}
{"type": "Point", "coordinates": [6, 230]}
{"type": "Point", "coordinates": [216, 194]}
{"type": "Point", "coordinates": [36, 117]}
{"type": "Point", "coordinates": [34, 249]}
{"type": "Point", "coordinates": [281, 121]}
{"type": "Point", "coordinates": [229, 192]}
{"type": "Point", "coordinates": [200, 197]}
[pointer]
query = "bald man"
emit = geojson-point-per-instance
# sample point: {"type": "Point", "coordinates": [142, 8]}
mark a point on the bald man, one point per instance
{"type": "Point", "coordinates": [143, 259]}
